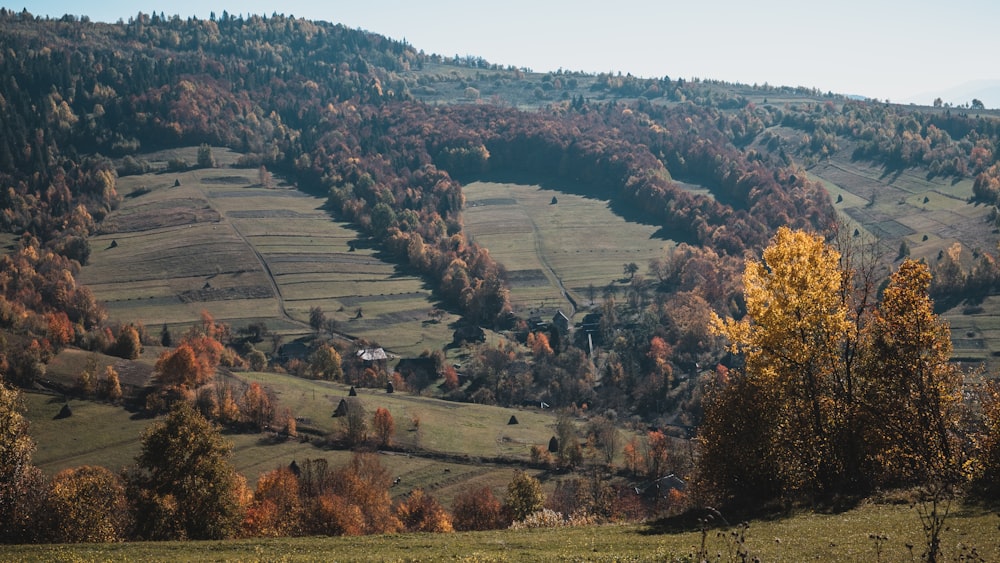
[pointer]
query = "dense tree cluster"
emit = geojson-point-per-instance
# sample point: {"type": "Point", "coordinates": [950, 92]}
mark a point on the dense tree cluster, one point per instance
{"type": "Point", "coordinates": [945, 143]}
{"type": "Point", "coordinates": [329, 105]}
{"type": "Point", "coordinates": [42, 309]}
{"type": "Point", "coordinates": [840, 390]}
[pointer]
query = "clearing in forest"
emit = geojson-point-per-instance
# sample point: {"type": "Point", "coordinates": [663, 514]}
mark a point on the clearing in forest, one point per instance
{"type": "Point", "coordinates": [557, 245]}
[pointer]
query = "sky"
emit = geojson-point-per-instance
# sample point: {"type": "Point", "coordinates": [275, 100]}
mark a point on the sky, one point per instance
{"type": "Point", "coordinates": [903, 52]}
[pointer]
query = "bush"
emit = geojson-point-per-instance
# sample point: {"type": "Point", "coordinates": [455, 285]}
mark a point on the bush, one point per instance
{"type": "Point", "coordinates": [477, 510]}
{"type": "Point", "coordinates": [543, 518]}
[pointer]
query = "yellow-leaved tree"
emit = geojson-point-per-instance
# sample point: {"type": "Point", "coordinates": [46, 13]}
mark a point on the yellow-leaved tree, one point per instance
{"type": "Point", "coordinates": [836, 394]}
{"type": "Point", "coordinates": [791, 340]}
{"type": "Point", "coordinates": [911, 392]}
{"type": "Point", "coordinates": [20, 481]}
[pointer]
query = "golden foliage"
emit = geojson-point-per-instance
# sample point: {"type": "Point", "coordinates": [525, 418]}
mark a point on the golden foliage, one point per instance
{"type": "Point", "coordinates": [421, 512]}
{"type": "Point", "coordinates": [86, 504]}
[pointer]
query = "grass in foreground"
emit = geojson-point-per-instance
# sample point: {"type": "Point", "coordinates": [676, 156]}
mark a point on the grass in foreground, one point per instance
{"type": "Point", "coordinates": [809, 536]}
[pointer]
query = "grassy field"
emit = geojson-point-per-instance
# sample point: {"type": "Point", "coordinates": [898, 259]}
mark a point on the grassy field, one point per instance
{"type": "Point", "coordinates": [453, 444]}
{"type": "Point", "coordinates": [216, 240]}
{"type": "Point", "coordinates": [554, 252]}
{"type": "Point", "coordinates": [109, 436]}
{"type": "Point", "coordinates": [840, 537]}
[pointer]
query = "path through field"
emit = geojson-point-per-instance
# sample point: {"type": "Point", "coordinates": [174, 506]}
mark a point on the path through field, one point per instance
{"type": "Point", "coordinates": [550, 273]}
{"type": "Point", "coordinates": [216, 240]}
{"type": "Point", "coordinates": [555, 245]}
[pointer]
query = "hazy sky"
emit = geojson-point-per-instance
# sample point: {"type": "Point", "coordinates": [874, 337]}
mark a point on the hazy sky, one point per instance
{"type": "Point", "coordinates": [901, 51]}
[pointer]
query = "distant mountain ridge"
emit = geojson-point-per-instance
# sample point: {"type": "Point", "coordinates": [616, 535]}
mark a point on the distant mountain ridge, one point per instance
{"type": "Point", "coordinates": [986, 91]}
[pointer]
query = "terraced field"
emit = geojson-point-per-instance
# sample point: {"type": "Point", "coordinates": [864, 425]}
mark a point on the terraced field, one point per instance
{"type": "Point", "coordinates": [216, 240]}
{"type": "Point", "coordinates": [930, 215]}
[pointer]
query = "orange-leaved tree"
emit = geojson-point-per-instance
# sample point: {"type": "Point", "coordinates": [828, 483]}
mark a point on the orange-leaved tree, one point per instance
{"type": "Point", "coordinates": [421, 512]}
{"type": "Point", "coordinates": [383, 425]}
{"type": "Point", "coordinates": [364, 485]}
{"type": "Point", "coordinates": [276, 509]}
{"type": "Point", "coordinates": [256, 407]}
{"type": "Point", "coordinates": [477, 509]}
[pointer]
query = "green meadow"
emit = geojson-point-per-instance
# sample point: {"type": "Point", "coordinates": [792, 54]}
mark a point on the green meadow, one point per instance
{"type": "Point", "coordinates": [440, 446]}
{"type": "Point", "coordinates": [555, 252]}
{"type": "Point", "coordinates": [850, 536]}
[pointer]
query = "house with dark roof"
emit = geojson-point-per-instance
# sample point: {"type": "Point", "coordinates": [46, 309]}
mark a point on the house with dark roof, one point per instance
{"type": "Point", "coordinates": [592, 322]}
{"type": "Point", "coordinates": [537, 324]}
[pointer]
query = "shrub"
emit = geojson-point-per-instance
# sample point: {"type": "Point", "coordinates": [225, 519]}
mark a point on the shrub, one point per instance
{"type": "Point", "coordinates": [477, 510]}
{"type": "Point", "coordinates": [543, 518]}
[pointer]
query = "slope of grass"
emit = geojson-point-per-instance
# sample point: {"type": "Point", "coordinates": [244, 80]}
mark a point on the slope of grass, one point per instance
{"type": "Point", "coordinates": [217, 240]}
{"type": "Point", "coordinates": [453, 444]}
{"type": "Point", "coordinates": [96, 433]}
{"type": "Point", "coordinates": [805, 537]}
{"type": "Point", "coordinates": [548, 247]}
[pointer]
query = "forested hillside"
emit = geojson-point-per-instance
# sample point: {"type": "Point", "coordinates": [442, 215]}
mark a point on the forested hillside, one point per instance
{"type": "Point", "coordinates": [388, 135]}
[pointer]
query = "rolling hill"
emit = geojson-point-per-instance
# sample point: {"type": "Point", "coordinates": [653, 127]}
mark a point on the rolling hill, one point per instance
{"type": "Point", "coordinates": [332, 188]}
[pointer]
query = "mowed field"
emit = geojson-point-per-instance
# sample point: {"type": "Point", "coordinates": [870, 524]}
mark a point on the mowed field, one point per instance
{"type": "Point", "coordinates": [930, 215]}
{"type": "Point", "coordinates": [216, 240]}
{"type": "Point", "coordinates": [553, 252]}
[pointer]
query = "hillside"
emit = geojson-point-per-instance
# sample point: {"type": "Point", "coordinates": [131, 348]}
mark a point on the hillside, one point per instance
{"type": "Point", "coordinates": [255, 215]}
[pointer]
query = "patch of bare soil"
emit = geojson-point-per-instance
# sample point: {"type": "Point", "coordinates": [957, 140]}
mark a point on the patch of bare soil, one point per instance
{"type": "Point", "coordinates": [270, 214]}
{"type": "Point", "coordinates": [173, 213]}
{"type": "Point", "coordinates": [226, 293]}
{"type": "Point", "coordinates": [231, 180]}
{"type": "Point", "coordinates": [134, 374]}
{"type": "Point", "coordinates": [527, 278]}
{"type": "Point", "coordinates": [493, 201]}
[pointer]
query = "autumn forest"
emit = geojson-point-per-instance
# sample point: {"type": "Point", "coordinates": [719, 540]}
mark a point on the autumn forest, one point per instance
{"type": "Point", "coordinates": [781, 354]}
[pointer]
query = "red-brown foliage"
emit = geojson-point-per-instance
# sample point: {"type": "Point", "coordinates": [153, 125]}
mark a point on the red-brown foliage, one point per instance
{"type": "Point", "coordinates": [477, 509]}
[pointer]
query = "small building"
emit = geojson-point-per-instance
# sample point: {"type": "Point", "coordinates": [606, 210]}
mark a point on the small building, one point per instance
{"type": "Point", "coordinates": [372, 355]}
{"type": "Point", "coordinates": [295, 350]}
{"type": "Point", "coordinates": [591, 322]}
{"type": "Point", "coordinates": [661, 487]}
{"type": "Point", "coordinates": [425, 368]}
{"type": "Point", "coordinates": [537, 324]}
